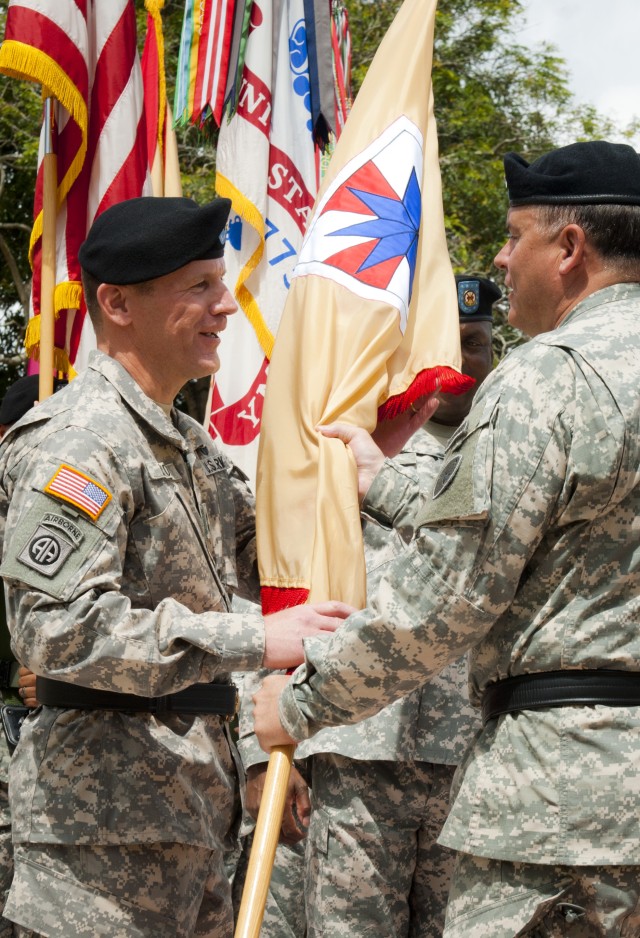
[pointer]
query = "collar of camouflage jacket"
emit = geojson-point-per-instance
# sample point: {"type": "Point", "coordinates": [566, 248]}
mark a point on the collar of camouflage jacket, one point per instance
{"type": "Point", "coordinates": [146, 408]}
{"type": "Point", "coordinates": [614, 293]}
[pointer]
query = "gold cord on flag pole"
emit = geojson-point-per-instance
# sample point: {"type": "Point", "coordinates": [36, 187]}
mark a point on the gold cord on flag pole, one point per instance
{"type": "Point", "coordinates": [265, 841]}
{"type": "Point", "coordinates": [48, 254]}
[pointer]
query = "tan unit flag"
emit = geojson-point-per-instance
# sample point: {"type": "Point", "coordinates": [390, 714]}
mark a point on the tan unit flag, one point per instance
{"type": "Point", "coordinates": [370, 323]}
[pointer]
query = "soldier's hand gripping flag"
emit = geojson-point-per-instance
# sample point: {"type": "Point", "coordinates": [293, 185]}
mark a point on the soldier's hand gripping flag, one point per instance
{"type": "Point", "coordinates": [370, 323]}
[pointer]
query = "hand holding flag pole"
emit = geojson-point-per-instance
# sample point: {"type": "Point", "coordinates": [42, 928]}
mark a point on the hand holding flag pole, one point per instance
{"type": "Point", "coordinates": [265, 841]}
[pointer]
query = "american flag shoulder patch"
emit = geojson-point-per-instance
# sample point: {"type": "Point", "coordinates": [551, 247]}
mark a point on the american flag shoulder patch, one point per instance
{"type": "Point", "coordinates": [79, 490]}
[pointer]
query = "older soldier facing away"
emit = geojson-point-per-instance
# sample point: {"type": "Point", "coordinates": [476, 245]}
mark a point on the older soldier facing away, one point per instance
{"type": "Point", "coordinates": [126, 534]}
{"type": "Point", "coordinates": [527, 552]}
{"type": "Point", "coordinates": [380, 789]}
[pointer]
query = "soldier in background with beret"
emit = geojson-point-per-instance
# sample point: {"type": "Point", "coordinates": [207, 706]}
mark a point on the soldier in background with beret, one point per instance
{"type": "Point", "coordinates": [125, 535]}
{"type": "Point", "coordinates": [526, 552]}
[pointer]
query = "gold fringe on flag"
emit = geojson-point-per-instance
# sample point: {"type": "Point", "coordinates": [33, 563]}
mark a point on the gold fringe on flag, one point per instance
{"type": "Point", "coordinates": [21, 61]}
{"type": "Point", "coordinates": [66, 296]}
{"type": "Point", "coordinates": [61, 363]}
{"type": "Point", "coordinates": [153, 8]}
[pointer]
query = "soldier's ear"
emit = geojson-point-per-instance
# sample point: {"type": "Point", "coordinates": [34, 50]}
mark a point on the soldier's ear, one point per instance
{"type": "Point", "coordinates": [572, 240]}
{"type": "Point", "coordinates": [114, 303]}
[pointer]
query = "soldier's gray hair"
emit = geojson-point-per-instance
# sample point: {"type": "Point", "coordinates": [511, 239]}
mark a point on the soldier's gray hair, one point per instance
{"type": "Point", "coordinates": [613, 230]}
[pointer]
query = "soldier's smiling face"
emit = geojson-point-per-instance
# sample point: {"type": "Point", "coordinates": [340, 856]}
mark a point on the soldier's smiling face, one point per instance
{"type": "Point", "coordinates": [179, 319]}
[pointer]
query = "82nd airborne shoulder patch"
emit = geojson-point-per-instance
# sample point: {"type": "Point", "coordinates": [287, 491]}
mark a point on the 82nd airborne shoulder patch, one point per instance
{"type": "Point", "coordinates": [45, 551]}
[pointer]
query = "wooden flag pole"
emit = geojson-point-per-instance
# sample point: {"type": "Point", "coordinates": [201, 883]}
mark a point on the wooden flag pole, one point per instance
{"type": "Point", "coordinates": [265, 841]}
{"type": "Point", "coordinates": [48, 254]}
{"type": "Point", "coordinates": [172, 177]}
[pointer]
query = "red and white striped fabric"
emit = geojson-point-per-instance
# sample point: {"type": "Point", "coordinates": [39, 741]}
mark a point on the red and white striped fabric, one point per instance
{"type": "Point", "coordinates": [267, 164]}
{"type": "Point", "coordinates": [162, 146]}
{"type": "Point", "coordinates": [86, 54]}
{"type": "Point", "coordinates": [215, 42]}
{"type": "Point", "coordinates": [204, 60]}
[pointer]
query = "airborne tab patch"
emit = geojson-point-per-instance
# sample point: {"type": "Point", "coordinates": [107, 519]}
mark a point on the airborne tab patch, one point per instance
{"type": "Point", "coordinates": [79, 490]}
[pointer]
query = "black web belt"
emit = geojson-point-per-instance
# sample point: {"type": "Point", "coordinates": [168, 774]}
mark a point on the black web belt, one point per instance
{"type": "Point", "coordinates": [561, 689]}
{"type": "Point", "coordinates": [6, 666]}
{"type": "Point", "coordinates": [220, 699]}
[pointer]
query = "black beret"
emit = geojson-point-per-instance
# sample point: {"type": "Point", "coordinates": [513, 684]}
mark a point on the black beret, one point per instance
{"type": "Point", "coordinates": [476, 296]}
{"type": "Point", "coordinates": [581, 173]}
{"type": "Point", "coordinates": [21, 396]}
{"type": "Point", "coordinates": [141, 239]}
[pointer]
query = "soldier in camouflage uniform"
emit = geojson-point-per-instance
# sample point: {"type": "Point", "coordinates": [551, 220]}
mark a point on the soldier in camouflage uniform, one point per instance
{"type": "Point", "coordinates": [380, 789]}
{"type": "Point", "coordinates": [16, 683]}
{"type": "Point", "coordinates": [126, 533]}
{"type": "Point", "coordinates": [526, 551]}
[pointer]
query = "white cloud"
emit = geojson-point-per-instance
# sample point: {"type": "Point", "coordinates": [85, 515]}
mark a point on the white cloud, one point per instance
{"type": "Point", "coordinates": [599, 42]}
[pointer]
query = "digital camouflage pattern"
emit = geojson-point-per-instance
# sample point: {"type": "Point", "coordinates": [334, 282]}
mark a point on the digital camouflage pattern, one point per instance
{"type": "Point", "coordinates": [136, 601]}
{"type": "Point", "coordinates": [6, 849]}
{"type": "Point", "coordinates": [499, 899]}
{"type": "Point", "coordinates": [373, 863]}
{"type": "Point", "coordinates": [528, 553]}
{"type": "Point", "coordinates": [8, 695]}
{"type": "Point", "coordinates": [142, 890]}
{"type": "Point", "coordinates": [284, 912]}
{"type": "Point", "coordinates": [380, 788]}
{"type": "Point", "coordinates": [380, 802]}
{"type": "Point", "coordinates": [432, 724]}
{"type": "Point", "coordinates": [436, 722]}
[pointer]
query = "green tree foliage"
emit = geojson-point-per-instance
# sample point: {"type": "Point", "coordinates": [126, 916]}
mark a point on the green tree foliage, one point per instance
{"type": "Point", "coordinates": [20, 115]}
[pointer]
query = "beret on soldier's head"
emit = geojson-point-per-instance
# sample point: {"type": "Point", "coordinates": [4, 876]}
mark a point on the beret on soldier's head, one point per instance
{"type": "Point", "coordinates": [581, 173]}
{"type": "Point", "coordinates": [20, 397]}
{"type": "Point", "coordinates": [141, 239]}
{"type": "Point", "coordinates": [476, 296]}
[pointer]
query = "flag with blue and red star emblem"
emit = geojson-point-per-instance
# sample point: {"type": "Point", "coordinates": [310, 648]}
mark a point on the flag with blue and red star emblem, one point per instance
{"type": "Point", "coordinates": [365, 230]}
{"type": "Point", "coordinates": [370, 323]}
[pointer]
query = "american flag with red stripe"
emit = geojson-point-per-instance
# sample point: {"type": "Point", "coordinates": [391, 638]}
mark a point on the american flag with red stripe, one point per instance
{"type": "Point", "coordinates": [86, 54]}
{"type": "Point", "coordinates": [162, 145]}
{"type": "Point", "coordinates": [80, 490]}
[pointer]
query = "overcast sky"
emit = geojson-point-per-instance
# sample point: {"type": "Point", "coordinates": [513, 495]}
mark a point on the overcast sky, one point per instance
{"type": "Point", "coordinates": [599, 39]}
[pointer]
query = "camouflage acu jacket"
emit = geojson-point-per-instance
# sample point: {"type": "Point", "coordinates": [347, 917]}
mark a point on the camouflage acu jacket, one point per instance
{"type": "Point", "coordinates": [432, 724]}
{"type": "Point", "coordinates": [125, 534]}
{"type": "Point", "coordinates": [528, 553]}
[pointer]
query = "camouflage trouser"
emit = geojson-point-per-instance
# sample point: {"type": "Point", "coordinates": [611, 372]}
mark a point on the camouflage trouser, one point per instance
{"type": "Point", "coordinates": [6, 850]}
{"type": "Point", "coordinates": [284, 915]}
{"type": "Point", "coordinates": [374, 869]}
{"type": "Point", "coordinates": [499, 899]}
{"type": "Point", "coordinates": [126, 891]}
